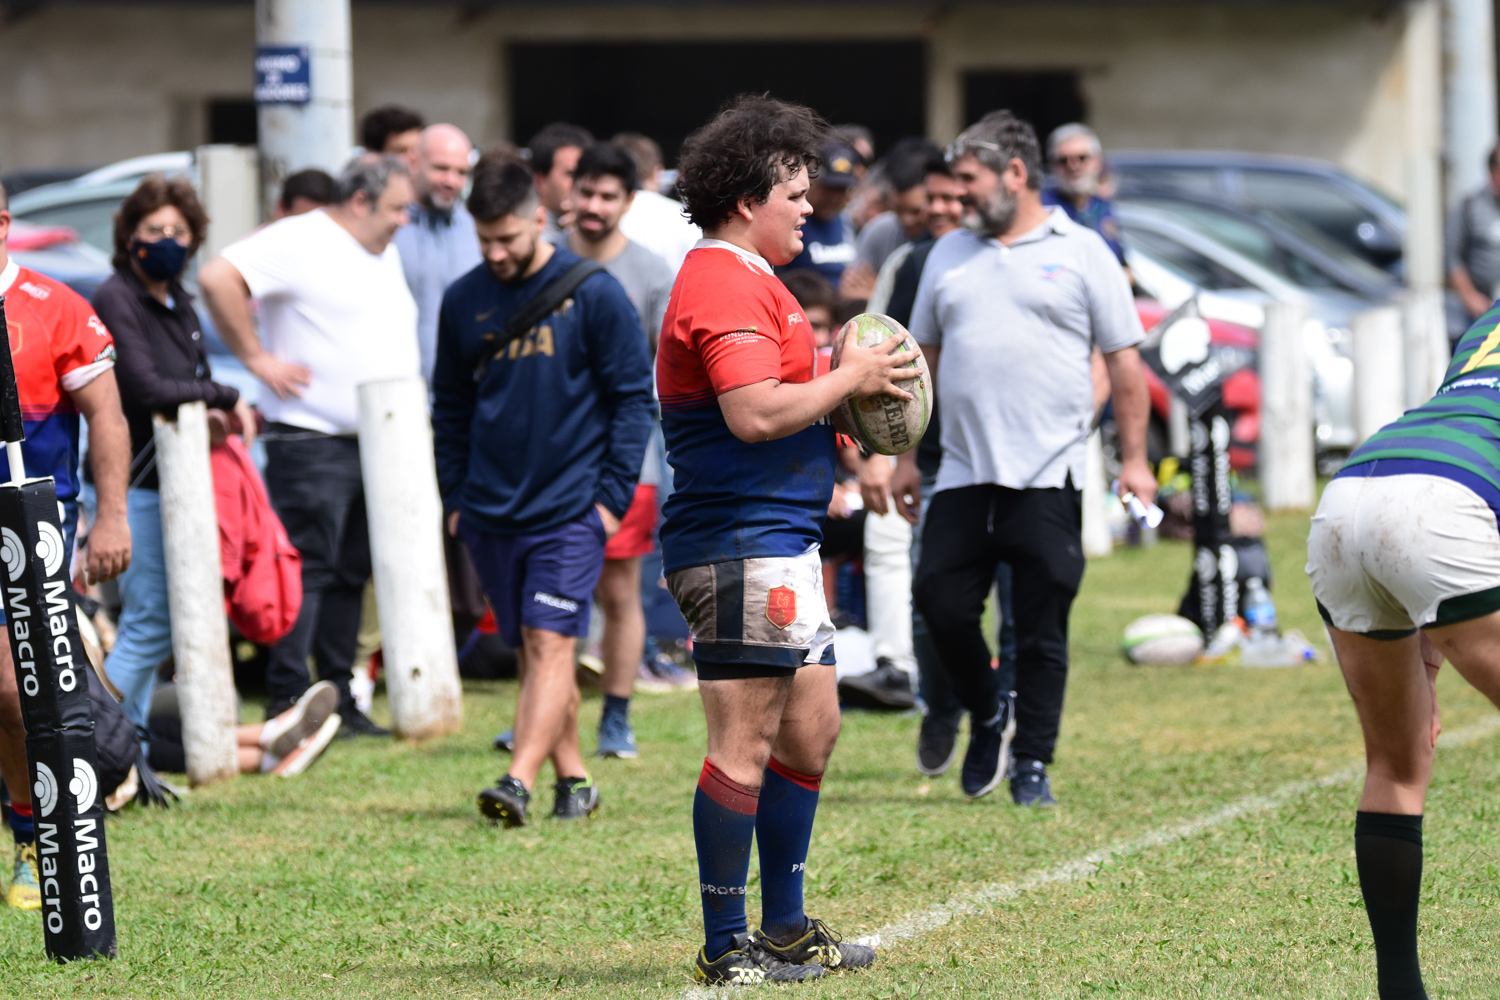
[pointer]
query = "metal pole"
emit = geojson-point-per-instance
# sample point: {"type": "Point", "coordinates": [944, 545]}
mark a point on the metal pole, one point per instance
{"type": "Point", "coordinates": [406, 553]}
{"type": "Point", "coordinates": [195, 596]}
{"type": "Point", "coordinates": [1287, 471]}
{"type": "Point", "coordinates": [304, 87]}
{"type": "Point", "coordinates": [1426, 328]}
{"type": "Point", "coordinates": [1471, 120]}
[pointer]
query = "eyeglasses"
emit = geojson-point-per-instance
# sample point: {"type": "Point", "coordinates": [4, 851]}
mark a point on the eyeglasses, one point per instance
{"type": "Point", "coordinates": [957, 150]}
{"type": "Point", "coordinates": [182, 234]}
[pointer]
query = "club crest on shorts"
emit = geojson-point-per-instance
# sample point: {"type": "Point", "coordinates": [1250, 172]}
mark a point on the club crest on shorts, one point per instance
{"type": "Point", "coordinates": [781, 606]}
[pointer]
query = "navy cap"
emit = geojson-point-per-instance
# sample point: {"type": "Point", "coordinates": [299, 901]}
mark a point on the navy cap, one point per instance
{"type": "Point", "coordinates": [839, 160]}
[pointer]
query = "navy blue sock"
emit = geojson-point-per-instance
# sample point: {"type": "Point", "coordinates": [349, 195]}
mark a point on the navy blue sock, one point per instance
{"type": "Point", "coordinates": [783, 828]}
{"type": "Point", "coordinates": [613, 703]}
{"type": "Point", "coordinates": [723, 825]}
{"type": "Point", "coordinates": [22, 826]}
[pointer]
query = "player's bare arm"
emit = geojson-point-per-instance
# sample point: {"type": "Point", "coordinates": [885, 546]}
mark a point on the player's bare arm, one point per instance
{"type": "Point", "coordinates": [773, 409]}
{"type": "Point", "coordinates": [109, 453]}
{"type": "Point", "coordinates": [1127, 380]}
{"type": "Point", "coordinates": [228, 299]}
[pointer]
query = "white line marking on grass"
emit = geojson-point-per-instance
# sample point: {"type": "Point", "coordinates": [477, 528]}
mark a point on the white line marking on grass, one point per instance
{"type": "Point", "coordinates": [980, 899]}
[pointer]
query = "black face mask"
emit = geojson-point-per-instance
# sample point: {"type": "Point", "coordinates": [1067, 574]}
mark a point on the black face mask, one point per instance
{"type": "Point", "coordinates": [162, 260]}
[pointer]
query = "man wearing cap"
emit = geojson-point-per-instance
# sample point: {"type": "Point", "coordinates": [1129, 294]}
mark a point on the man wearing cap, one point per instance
{"type": "Point", "coordinates": [827, 237]}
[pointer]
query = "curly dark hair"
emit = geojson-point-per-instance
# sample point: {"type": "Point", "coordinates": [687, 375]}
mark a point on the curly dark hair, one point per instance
{"type": "Point", "coordinates": [156, 192]}
{"type": "Point", "coordinates": [742, 153]}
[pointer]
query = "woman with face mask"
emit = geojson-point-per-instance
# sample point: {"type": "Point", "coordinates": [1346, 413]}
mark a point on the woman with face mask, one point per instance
{"type": "Point", "coordinates": [161, 363]}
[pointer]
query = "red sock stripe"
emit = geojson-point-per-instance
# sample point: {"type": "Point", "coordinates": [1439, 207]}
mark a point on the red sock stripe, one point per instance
{"type": "Point", "coordinates": [726, 791]}
{"type": "Point", "coordinates": [21, 810]}
{"type": "Point", "coordinates": [811, 782]}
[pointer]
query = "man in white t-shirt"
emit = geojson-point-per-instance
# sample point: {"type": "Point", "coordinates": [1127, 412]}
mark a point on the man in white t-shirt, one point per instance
{"type": "Point", "coordinates": [335, 312]}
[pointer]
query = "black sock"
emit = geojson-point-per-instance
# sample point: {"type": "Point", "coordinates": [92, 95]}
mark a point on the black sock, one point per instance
{"type": "Point", "coordinates": [614, 703]}
{"type": "Point", "coordinates": [1388, 853]}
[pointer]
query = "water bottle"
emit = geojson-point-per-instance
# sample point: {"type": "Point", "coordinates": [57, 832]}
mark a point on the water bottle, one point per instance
{"type": "Point", "coordinates": [1260, 611]}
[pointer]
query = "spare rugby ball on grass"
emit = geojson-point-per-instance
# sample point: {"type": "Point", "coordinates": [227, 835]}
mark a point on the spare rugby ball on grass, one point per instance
{"type": "Point", "coordinates": [883, 423]}
{"type": "Point", "coordinates": [1162, 640]}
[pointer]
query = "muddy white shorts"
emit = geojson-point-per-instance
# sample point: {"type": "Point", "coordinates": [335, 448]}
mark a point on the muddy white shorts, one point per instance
{"type": "Point", "coordinates": [755, 617]}
{"type": "Point", "coordinates": [1390, 554]}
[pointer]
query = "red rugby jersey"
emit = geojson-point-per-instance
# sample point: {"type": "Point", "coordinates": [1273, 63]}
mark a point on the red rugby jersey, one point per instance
{"type": "Point", "coordinates": [58, 345]}
{"type": "Point", "coordinates": [732, 323]}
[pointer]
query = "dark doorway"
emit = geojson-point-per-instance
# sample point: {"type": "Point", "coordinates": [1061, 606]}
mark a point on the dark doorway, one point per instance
{"type": "Point", "coordinates": [233, 120]}
{"type": "Point", "coordinates": [1045, 99]}
{"type": "Point", "coordinates": [668, 90]}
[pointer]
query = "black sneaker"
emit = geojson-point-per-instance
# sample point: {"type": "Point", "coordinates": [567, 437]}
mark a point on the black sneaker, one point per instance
{"type": "Point", "coordinates": [357, 723]}
{"type": "Point", "coordinates": [506, 802]}
{"type": "Point", "coordinates": [820, 946]}
{"type": "Point", "coordinates": [577, 798]}
{"type": "Point", "coordinates": [986, 761]}
{"type": "Point", "coordinates": [1029, 785]}
{"type": "Point", "coordinates": [884, 689]}
{"type": "Point", "coordinates": [937, 742]}
{"type": "Point", "coordinates": [505, 742]}
{"type": "Point", "coordinates": [749, 963]}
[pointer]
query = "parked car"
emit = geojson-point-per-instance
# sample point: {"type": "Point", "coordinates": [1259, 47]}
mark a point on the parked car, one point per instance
{"type": "Point", "coordinates": [1172, 262]}
{"type": "Point", "coordinates": [57, 252]}
{"type": "Point", "coordinates": [87, 204]}
{"type": "Point", "coordinates": [1352, 213]}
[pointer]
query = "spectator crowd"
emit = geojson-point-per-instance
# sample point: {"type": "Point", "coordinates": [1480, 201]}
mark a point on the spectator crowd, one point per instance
{"type": "Point", "coordinates": [425, 257]}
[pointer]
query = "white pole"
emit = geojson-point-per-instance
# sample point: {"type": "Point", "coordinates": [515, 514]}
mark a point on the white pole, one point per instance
{"type": "Point", "coordinates": [1426, 351]}
{"type": "Point", "coordinates": [1471, 119]}
{"type": "Point", "coordinates": [406, 551]}
{"type": "Point", "coordinates": [318, 130]}
{"type": "Point", "coordinates": [229, 188]}
{"type": "Point", "coordinates": [1097, 540]}
{"type": "Point", "coordinates": [195, 596]}
{"type": "Point", "coordinates": [1287, 470]}
{"type": "Point", "coordinates": [1377, 345]}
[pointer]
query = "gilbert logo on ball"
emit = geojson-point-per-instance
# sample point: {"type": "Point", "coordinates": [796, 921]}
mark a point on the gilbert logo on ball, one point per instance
{"type": "Point", "coordinates": [883, 423]}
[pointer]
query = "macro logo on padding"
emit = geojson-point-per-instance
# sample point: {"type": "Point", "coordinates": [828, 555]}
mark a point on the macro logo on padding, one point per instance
{"type": "Point", "coordinates": [84, 786]}
{"type": "Point", "coordinates": [45, 789]}
{"type": "Point", "coordinates": [49, 547]}
{"type": "Point", "coordinates": [12, 553]}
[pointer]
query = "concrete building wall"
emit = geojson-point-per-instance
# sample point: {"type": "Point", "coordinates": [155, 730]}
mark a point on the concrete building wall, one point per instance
{"type": "Point", "coordinates": [85, 84]}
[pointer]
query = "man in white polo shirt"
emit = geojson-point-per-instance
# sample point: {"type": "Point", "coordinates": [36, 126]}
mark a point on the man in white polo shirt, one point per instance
{"type": "Point", "coordinates": [335, 312]}
{"type": "Point", "coordinates": [1008, 311]}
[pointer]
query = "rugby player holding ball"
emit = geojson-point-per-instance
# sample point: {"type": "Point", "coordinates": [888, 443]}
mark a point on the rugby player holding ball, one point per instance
{"type": "Point", "coordinates": [752, 452]}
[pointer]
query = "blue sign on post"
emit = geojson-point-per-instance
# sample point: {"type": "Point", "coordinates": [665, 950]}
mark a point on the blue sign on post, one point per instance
{"type": "Point", "coordinates": [282, 75]}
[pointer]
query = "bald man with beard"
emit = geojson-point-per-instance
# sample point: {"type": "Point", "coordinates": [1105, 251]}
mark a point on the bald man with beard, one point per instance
{"type": "Point", "coordinates": [439, 244]}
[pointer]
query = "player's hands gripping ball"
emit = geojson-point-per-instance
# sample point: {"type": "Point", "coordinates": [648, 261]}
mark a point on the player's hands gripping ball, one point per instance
{"type": "Point", "coordinates": [892, 418]}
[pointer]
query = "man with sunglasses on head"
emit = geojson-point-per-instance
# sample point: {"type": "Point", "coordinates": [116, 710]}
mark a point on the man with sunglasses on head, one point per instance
{"type": "Point", "coordinates": [1008, 313]}
{"type": "Point", "coordinates": [1077, 161]}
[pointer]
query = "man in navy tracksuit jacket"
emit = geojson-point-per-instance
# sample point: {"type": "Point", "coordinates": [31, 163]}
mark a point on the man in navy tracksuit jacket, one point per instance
{"type": "Point", "coordinates": [539, 442]}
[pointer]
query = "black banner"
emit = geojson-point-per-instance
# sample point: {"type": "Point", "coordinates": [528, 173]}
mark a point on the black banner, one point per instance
{"type": "Point", "coordinates": [1181, 351]}
{"type": "Point", "coordinates": [67, 803]}
{"type": "Point", "coordinates": [1215, 591]}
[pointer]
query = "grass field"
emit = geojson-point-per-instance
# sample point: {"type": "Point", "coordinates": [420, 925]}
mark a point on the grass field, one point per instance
{"type": "Point", "coordinates": [373, 876]}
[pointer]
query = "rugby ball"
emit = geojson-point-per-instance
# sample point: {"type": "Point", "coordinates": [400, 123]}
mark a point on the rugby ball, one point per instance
{"type": "Point", "coordinates": [1162, 640]}
{"type": "Point", "coordinates": [883, 423]}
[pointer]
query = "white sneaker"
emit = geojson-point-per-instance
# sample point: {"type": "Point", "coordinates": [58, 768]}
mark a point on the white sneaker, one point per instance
{"type": "Point", "coordinates": [283, 734]}
{"type": "Point", "coordinates": [307, 751]}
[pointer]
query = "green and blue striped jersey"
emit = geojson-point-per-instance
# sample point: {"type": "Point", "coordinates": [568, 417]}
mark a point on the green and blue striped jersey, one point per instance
{"type": "Point", "coordinates": [1456, 434]}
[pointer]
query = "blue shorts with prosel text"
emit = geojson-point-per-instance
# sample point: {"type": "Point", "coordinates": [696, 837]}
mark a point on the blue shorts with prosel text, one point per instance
{"type": "Point", "coordinates": [543, 580]}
